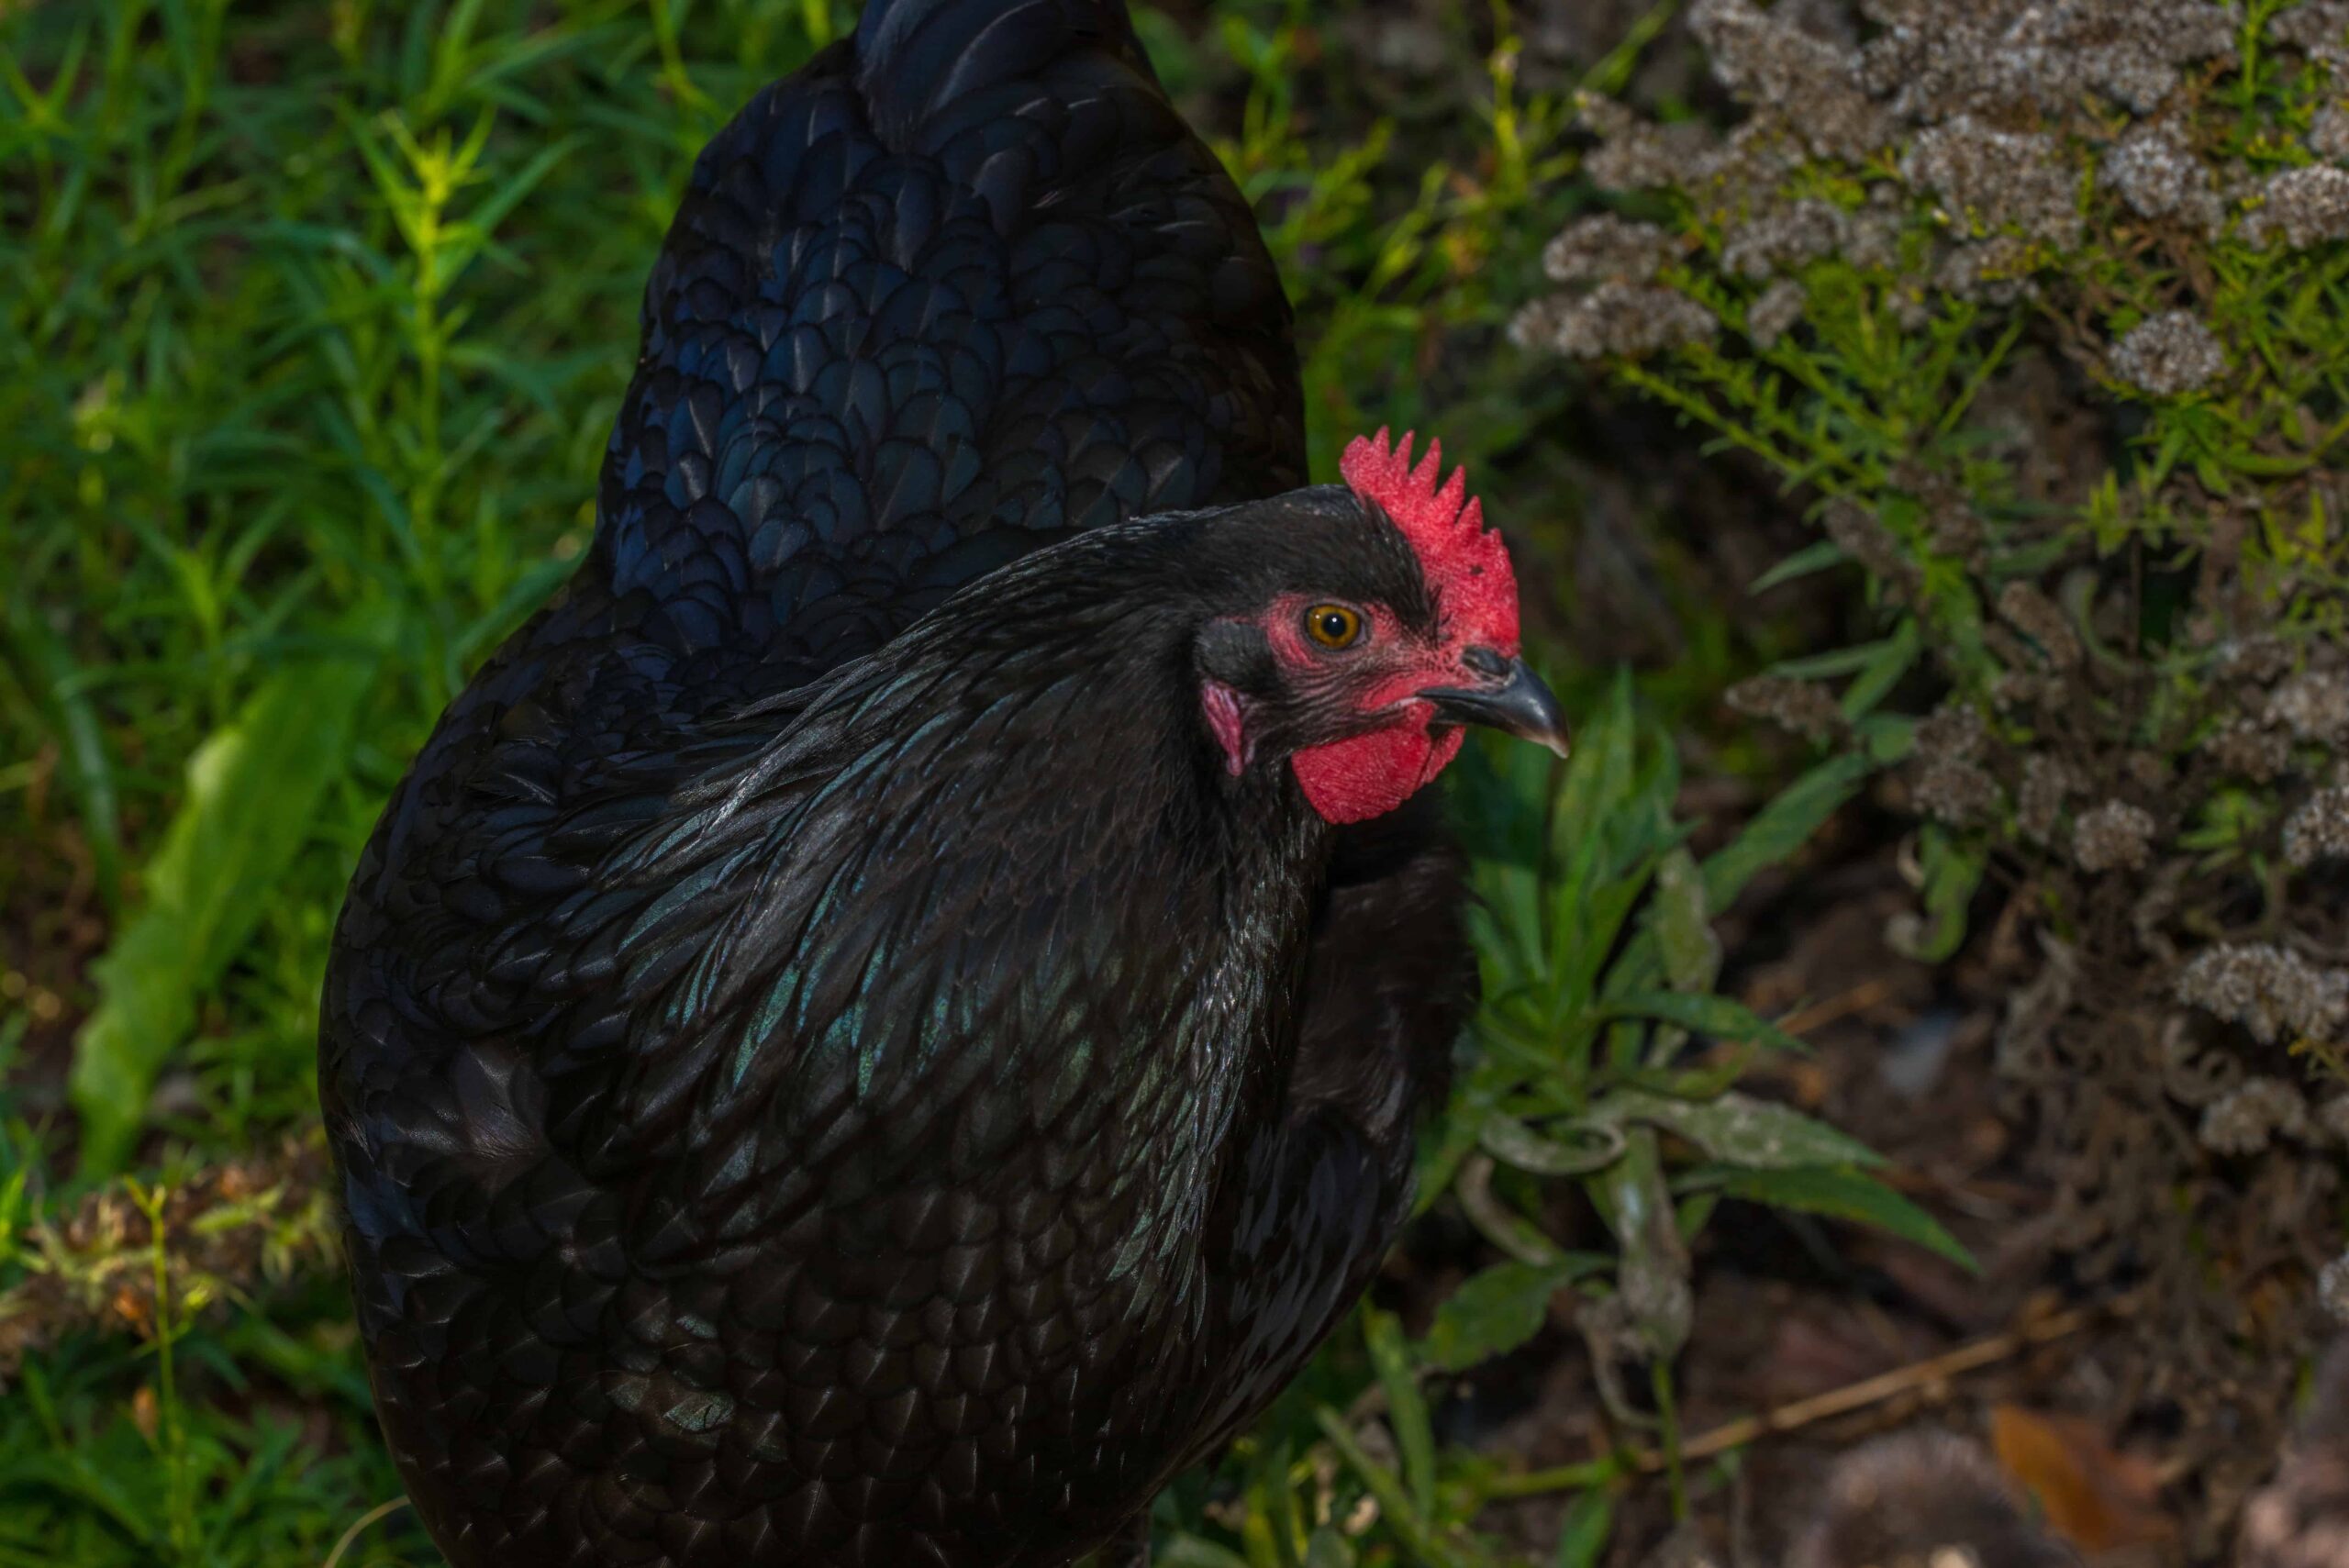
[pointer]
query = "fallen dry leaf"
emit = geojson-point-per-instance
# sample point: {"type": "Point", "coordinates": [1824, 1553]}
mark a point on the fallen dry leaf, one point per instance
{"type": "Point", "coordinates": [2094, 1495]}
{"type": "Point", "coordinates": [145, 1413]}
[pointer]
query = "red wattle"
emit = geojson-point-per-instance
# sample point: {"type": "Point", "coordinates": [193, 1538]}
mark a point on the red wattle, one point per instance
{"type": "Point", "coordinates": [1370, 775]}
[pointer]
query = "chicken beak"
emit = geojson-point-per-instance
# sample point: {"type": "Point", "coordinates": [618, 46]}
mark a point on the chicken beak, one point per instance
{"type": "Point", "coordinates": [1516, 701]}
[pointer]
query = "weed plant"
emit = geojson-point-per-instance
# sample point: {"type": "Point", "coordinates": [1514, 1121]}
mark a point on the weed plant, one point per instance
{"type": "Point", "coordinates": [2039, 310]}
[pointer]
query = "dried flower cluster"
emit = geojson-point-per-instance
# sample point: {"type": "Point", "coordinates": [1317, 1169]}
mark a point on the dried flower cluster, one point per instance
{"type": "Point", "coordinates": [2160, 177]}
{"type": "Point", "coordinates": [2040, 58]}
{"type": "Point", "coordinates": [2315, 705]}
{"type": "Point", "coordinates": [1980, 115]}
{"type": "Point", "coordinates": [1603, 248]}
{"type": "Point", "coordinates": [2169, 354]}
{"type": "Point", "coordinates": [1805, 707]}
{"type": "Point", "coordinates": [2318, 829]}
{"type": "Point", "coordinates": [1784, 238]}
{"type": "Point", "coordinates": [1955, 791]}
{"type": "Point", "coordinates": [2047, 783]}
{"type": "Point", "coordinates": [2252, 750]}
{"type": "Point", "coordinates": [1989, 179]}
{"type": "Point", "coordinates": [1637, 156]}
{"type": "Point", "coordinates": [2319, 26]}
{"type": "Point", "coordinates": [2117, 835]}
{"type": "Point", "coordinates": [1949, 784]}
{"type": "Point", "coordinates": [2249, 1116]}
{"type": "Point", "coordinates": [1614, 320]}
{"type": "Point", "coordinates": [2271, 990]}
{"type": "Point", "coordinates": [2306, 206]}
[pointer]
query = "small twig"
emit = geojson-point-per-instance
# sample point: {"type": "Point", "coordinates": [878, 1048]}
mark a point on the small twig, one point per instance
{"type": "Point", "coordinates": [1883, 1386]}
{"type": "Point", "coordinates": [1819, 1407]}
{"type": "Point", "coordinates": [1858, 999]}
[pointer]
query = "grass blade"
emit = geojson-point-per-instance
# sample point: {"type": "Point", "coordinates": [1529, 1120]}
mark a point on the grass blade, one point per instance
{"type": "Point", "coordinates": [1841, 1194]}
{"type": "Point", "coordinates": [254, 789]}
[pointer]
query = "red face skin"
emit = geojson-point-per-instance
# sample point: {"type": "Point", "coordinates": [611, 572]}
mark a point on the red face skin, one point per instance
{"type": "Point", "coordinates": [1469, 576]}
{"type": "Point", "coordinates": [1370, 774]}
{"type": "Point", "coordinates": [1380, 678]}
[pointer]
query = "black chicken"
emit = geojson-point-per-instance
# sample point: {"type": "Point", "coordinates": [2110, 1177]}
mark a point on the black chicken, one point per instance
{"type": "Point", "coordinates": [866, 1038]}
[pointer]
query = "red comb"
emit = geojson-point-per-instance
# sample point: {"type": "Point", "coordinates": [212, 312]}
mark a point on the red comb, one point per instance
{"type": "Point", "coordinates": [1463, 561]}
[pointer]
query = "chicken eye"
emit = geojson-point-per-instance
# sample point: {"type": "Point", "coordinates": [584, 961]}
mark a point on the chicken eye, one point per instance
{"type": "Point", "coordinates": [1333, 626]}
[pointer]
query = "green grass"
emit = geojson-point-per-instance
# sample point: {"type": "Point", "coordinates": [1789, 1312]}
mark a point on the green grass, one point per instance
{"type": "Point", "coordinates": [318, 315]}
